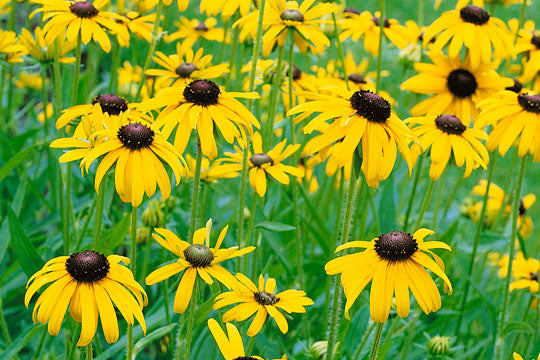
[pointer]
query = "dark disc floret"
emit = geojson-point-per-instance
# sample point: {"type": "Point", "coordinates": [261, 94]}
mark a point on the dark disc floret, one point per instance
{"type": "Point", "coordinates": [376, 20]}
{"type": "Point", "coordinates": [265, 298]}
{"type": "Point", "coordinates": [199, 255]}
{"type": "Point", "coordinates": [530, 103]}
{"type": "Point", "coordinates": [245, 358]}
{"type": "Point", "coordinates": [135, 136]}
{"type": "Point", "coordinates": [201, 26]}
{"type": "Point", "coordinates": [87, 266]}
{"type": "Point", "coordinates": [83, 9]}
{"type": "Point", "coordinates": [535, 40]}
{"type": "Point", "coordinates": [184, 70]}
{"type": "Point", "coordinates": [351, 10]}
{"type": "Point", "coordinates": [111, 103]}
{"type": "Point", "coordinates": [450, 124]}
{"type": "Point", "coordinates": [517, 87]}
{"type": "Point", "coordinates": [534, 276]}
{"type": "Point", "coordinates": [461, 83]}
{"type": "Point", "coordinates": [202, 92]}
{"type": "Point", "coordinates": [474, 14]}
{"type": "Point", "coordinates": [296, 72]}
{"type": "Point", "coordinates": [371, 106]}
{"type": "Point", "coordinates": [395, 246]}
{"type": "Point", "coordinates": [357, 78]}
{"type": "Point", "coordinates": [522, 209]}
{"type": "Point", "coordinates": [260, 159]}
{"type": "Point", "coordinates": [292, 15]}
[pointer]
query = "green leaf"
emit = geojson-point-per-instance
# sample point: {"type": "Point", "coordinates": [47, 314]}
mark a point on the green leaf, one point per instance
{"type": "Point", "coordinates": [117, 234]}
{"type": "Point", "coordinates": [154, 335]}
{"type": "Point", "coordinates": [517, 326]}
{"type": "Point", "coordinates": [15, 161]}
{"type": "Point", "coordinates": [20, 342]}
{"type": "Point", "coordinates": [24, 250]}
{"type": "Point", "coordinates": [274, 226]}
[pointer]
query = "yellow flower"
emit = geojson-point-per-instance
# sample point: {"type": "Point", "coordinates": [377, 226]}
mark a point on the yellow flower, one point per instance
{"type": "Point", "coordinates": [49, 109]}
{"type": "Point", "coordinates": [516, 356]}
{"type": "Point", "coordinates": [37, 47]}
{"type": "Point", "coordinates": [10, 47]}
{"type": "Point", "coordinates": [193, 30]}
{"type": "Point", "coordinates": [138, 24]}
{"type": "Point", "coordinates": [524, 221]}
{"type": "Point", "coordinates": [201, 105]}
{"type": "Point", "coordinates": [501, 262]}
{"type": "Point", "coordinates": [196, 258]}
{"type": "Point", "coordinates": [128, 82]}
{"type": "Point", "coordinates": [525, 273]}
{"type": "Point", "coordinates": [29, 80]}
{"type": "Point", "coordinates": [230, 344]}
{"type": "Point", "coordinates": [394, 263]}
{"type": "Point", "coordinates": [446, 134]}
{"type": "Point", "coordinates": [529, 42]}
{"type": "Point", "coordinates": [182, 4]}
{"type": "Point", "coordinates": [91, 285]}
{"type": "Point", "coordinates": [211, 172]}
{"type": "Point", "coordinates": [226, 8]}
{"type": "Point", "coordinates": [185, 66]}
{"type": "Point", "coordinates": [307, 165]}
{"type": "Point", "coordinates": [496, 197]}
{"type": "Point", "coordinates": [261, 163]}
{"type": "Point", "coordinates": [262, 301]}
{"type": "Point", "coordinates": [74, 18]}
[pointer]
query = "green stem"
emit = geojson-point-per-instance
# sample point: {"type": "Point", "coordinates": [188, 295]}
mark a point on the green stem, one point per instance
{"type": "Point", "coordinates": [274, 91]}
{"type": "Point", "coordinates": [340, 51]}
{"type": "Point", "coordinates": [438, 195]}
{"type": "Point", "coordinates": [380, 55]}
{"type": "Point", "coordinates": [3, 325]}
{"type": "Point", "coordinates": [413, 192]}
{"type": "Point", "coordinates": [363, 342]}
{"type": "Point", "coordinates": [89, 355]}
{"type": "Point", "coordinates": [499, 339]}
{"type": "Point", "coordinates": [425, 204]}
{"type": "Point", "coordinates": [37, 353]}
{"type": "Point", "coordinates": [98, 216]}
{"type": "Point", "coordinates": [191, 320]}
{"type": "Point", "coordinates": [44, 99]}
{"type": "Point", "coordinates": [256, 51]}
{"type": "Point", "coordinates": [133, 267]}
{"type": "Point", "coordinates": [477, 236]}
{"type": "Point", "coordinates": [242, 200]}
{"type": "Point", "coordinates": [250, 344]}
{"type": "Point", "coordinates": [76, 70]}
{"type": "Point", "coordinates": [232, 60]}
{"type": "Point", "coordinates": [376, 341]}
{"type": "Point", "coordinates": [115, 63]}
{"type": "Point", "coordinates": [56, 80]}
{"type": "Point", "coordinates": [195, 197]}
{"type": "Point", "coordinates": [336, 305]}
{"type": "Point", "coordinates": [244, 259]}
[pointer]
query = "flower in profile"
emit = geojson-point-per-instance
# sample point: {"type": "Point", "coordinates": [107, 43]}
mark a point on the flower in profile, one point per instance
{"type": "Point", "coordinates": [10, 47]}
{"type": "Point", "coordinates": [79, 18]}
{"type": "Point", "coordinates": [192, 30]}
{"type": "Point", "coordinates": [281, 15]}
{"type": "Point", "coordinates": [500, 262]}
{"type": "Point", "coordinates": [496, 197]}
{"type": "Point", "coordinates": [138, 24]}
{"type": "Point", "coordinates": [196, 258]}
{"type": "Point", "coordinates": [211, 172]}
{"type": "Point", "coordinates": [201, 105]}
{"type": "Point", "coordinates": [38, 49]}
{"type": "Point", "coordinates": [357, 117]}
{"type": "Point", "coordinates": [439, 345]}
{"type": "Point", "coordinates": [471, 26]}
{"type": "Point", "coordinates": [524, 221]}
{"type": "Point", "coordinates": [185, 66]}
{"type": "Point", "coordinates": [262, 301]}
{"type": "Point", "coordinates": [92, 285]}
{"type": "Point", "coordinates": [29, 80]}
{"type": "Point", "coordinates": [528, 42]}
{"type": "Point", "coordinates": [393, 262]}
{"type": "Point", "coordinates": [446, 134]}
{"type": "Point", "coordinates": [367, 25]}
{"type": "Point", "coordinates": [512, 115]}
{"type": "Point", "coordinates": [456, 87]}
{"type": "Point", "coordinates": [226, 8]}
{"type": "Point", "coordinates": [230, 344]}
{"type": "Point", "coordinates": [261, 163]}
{"type": "Point", "coordinates": [139, 151]}
{"type": "Point", "coordinates": [525, 273]}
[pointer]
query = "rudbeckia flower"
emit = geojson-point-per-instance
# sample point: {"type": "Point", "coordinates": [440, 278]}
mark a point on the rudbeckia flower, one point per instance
{"type": "Point", "coordinates": [10, 47]}
{"type": "Point", "coordinates": [74, 18]}
{"type": "Point", "coordinates": [446, 134]}
{"type": "Point", "coordinates": [92, 285]}
{"type": "Point", "coordinates": [474, 28]}
{"type": "Point", "coordinates": [185, 66]}
{"type": "Point", "coordinates": [38, 49]}
{"type": "Point", "coordinates": [192, 30]}
{"type": "Point", "coordinates": [524, 221]}
{"type": "Point", "coordinates": [393, 262]}
{"type": "Point", "coordinates": [201, 105]}
{"type": "Point", "coordinates": [128, 82]}
{"type": "Point", "coordinates": [359, 116]}
{"type": "Point", "coordinates": [211, 172]}
{"type": "Point", "coordinates": [496, 197]}
{"type": "Point", "coordinates": [456, 87]}
{"type": "Point", "coordinates": [516, 356]}
{"type": "Point", "coordinates": [230, 344]}
{"type": "Point", "coordinates": [182, 4]}
{"type": "Point", "coordinates": [525, 273]}
{"type": "Point", "coordinates": [196, 258]}
{"type": "Point", "coordinates": [29, 81]}
{"type": "Point", "coordinates": [139, 151]}
{"type": "Point", "coordinates": [528, 42]}
{"type": "Point", "coordinates": [262, 301]}
{"type": "Point", "coordinates": [261, 163]}
{"type": "Point", "coordinates": [307, 165]}
{"type": "Point", "coordinates": [137, 24]}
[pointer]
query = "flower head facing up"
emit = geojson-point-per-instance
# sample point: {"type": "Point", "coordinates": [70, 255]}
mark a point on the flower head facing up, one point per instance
{"type": "Point", "coordinates": [38, 49]}
{"type": "Point", "coordinates": [261, 301]}
{"type": "Point", "coordinates": [91, 285]}
{"type": "Point", "coordinates": [371, 106]}
{"type": "Point", "coordinates": [230, 344]}
{"type": "Point", "coordinates": [111, 103]}
{"type": "Point", "coordinates": [393, 262]}
{"type": "Point", "coordinates": [195, 258]}
{"type": "Point", "coordinates": [192, 30]}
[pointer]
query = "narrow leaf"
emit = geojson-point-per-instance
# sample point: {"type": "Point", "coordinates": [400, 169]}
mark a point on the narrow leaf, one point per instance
{"type": "Point", "coordinates": [274, 226]}
{"type": "Point", "coordinates": [23, 249]}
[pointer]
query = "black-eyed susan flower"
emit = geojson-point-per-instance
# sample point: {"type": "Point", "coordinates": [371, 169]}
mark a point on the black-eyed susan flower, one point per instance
{"type": "Point", "coordinates": [38, 49]}
{"type": "Point", "coordinates": [201, 105]}
{"type": "Point", "coordinates": [192, 30]}
{"type": "Point", "coordinates": [10, 48]}
{"type": "Point", "coordinates": [500, 262]}
{"type": "Point", "coordinates": [359, 116]}
{"type": "Point", "coordinates": [281, 15]}
{"type": "Point", "coordinates": [528, 42]}
{"type": "Point", "coordinates": [185, 66]}
{"type": "Point", "coordinates": [496, 197]}
{"type": "Point", "coordinates": [517, 356]}
{"type": "Point", "coordinates": [393, 262]}
{"type": "Point", "coordinates": [262, 302]}
{"type": "Point", "coordinates": [512, 116]}
{"type": "Point", "coordinates": [212, 171]}
{"type": "Point", "coordinates": [248, 26]}
{"type": "Point", "coordinates": [472, 27]}
{"type": "Point", "coordinates": [226, 8]}
{"type": "Point", "coordinates": [261, 163]}
{"type": "Point", "coordinates": [74, 18]}
{"type": "Point", "coordinates": [141, 25]}
{"type": "Point", "coordinates": [42, 114]}
{"type": "Point", "coordinates": [230, 344]}
{"type": "Point", "coordinates": [29, 80]}
{"type": "Point", "coordinates": [196, 258]}
{"type": "Point", "coordinates": [92, 286]}
{"type": "Point", "coordinates": [456, 87]}
{"type": "Point", "coordinates": [524, 221]}
{"type": "Point", "coordinates": [446, 134]}
{"type": "Point", "coordinates": [139, 151]}
{"type": "Point", "coordinates": [525, 273]}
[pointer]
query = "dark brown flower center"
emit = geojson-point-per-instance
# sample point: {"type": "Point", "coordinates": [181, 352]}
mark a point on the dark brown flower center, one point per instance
{"type": "Point", "coordinates": [395, 246]}
{"type": "Point", "coordinates": [474, 14]}
{"type": "Point", "coordinates": [461, 83]}
{"type": "Point", "coordinates": [245, 358]}
{"type": "Point", "coordinates": [357, 79]}
{"type": "Point", "coordinates": [264, 298]}
{"type": "Point", "coordinates": [296, 72]}
{"type": "Point", "coordinates": [83, 9]}
{"type": "Point", "coordinates": [292, 14]}
{"type": "Point", "coordinates": [184, 70]}
{"type": "Point", "coordinates": [530, 103]}
{"type": "Point", "coordinates": [450, 124]}
{"type": "Point", "coordinates": [376, 20]}
{"type": "Point", "coordinates": [201, 26]}
{"type": "Point", "coordinates": [202, 92]}
{"type": "Point", "coordinates": [260, 159]}
{"type": "Point", "coordinates": [199, 255]}
{"type": "Point", "coordinates": [371, 106]}
{"type": "Point", "coordinates": [517, 87]}
{"type": "Point", "coordinates": [135, 136]}
{"type": "Point", "coordinates": [522, 209]}
{"type": "Point", "coordinates": [87, 266]}
{"type": "Point", "coordinates": [534, 276]}
{"type": "Point", "coordinates": [536, 41]}
{"type": "Point", "coordinates": [351, 10]}
{"type": "Point", "coordinates": [111, 103]}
